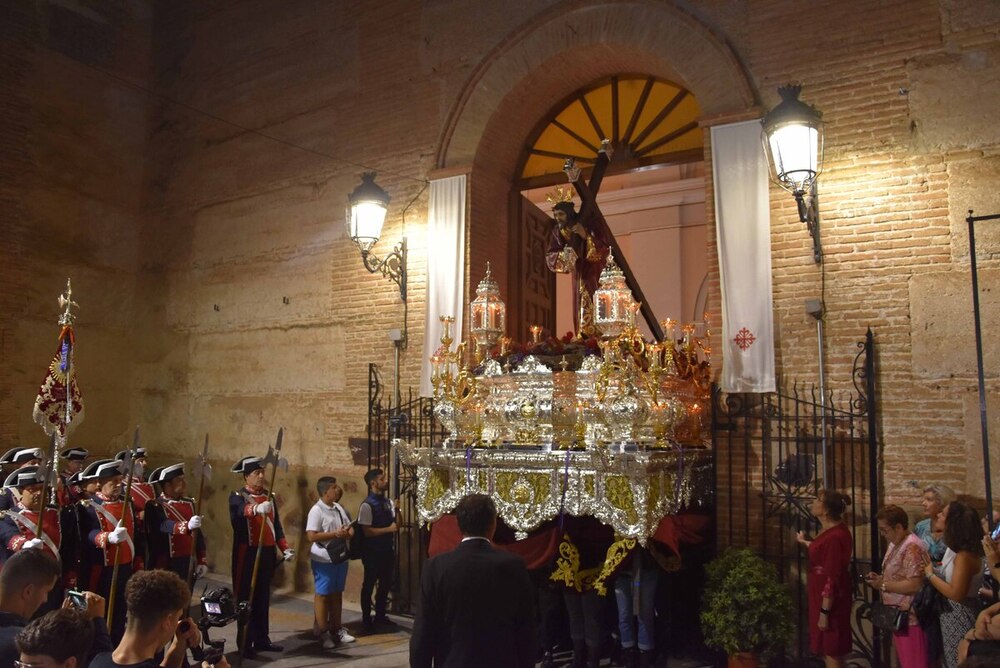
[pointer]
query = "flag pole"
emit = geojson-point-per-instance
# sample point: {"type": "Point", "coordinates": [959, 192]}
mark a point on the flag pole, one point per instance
{"type": "Point", "coordinates": [126, 507]}
{"type": "Point", "coordinates": [197, 511]}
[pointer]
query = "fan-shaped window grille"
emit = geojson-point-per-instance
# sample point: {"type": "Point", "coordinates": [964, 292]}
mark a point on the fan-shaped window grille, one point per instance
{"type": "Point", "coordinates": [649, 121]}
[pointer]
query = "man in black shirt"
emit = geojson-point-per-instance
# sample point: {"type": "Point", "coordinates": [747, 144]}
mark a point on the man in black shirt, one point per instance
{"type": "Point", "coordinates": [157, 603]}
{"type": "Point", "coordinates": [378, 518]}
{"type": "Point", "coordinates": [25, 582]}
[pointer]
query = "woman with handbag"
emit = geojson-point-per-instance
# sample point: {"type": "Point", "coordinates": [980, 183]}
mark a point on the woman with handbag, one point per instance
{"type": "Point", "coordinates": [959, 576]}
{"type": "Point", "coordinates": [830, 588]}
{"type": "Point", "coordinates": [901, 578]}
{"type": "Point", "coordinates": [328, 528]}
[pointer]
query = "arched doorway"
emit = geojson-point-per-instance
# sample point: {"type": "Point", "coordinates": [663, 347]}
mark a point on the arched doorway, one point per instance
{"type": "Point", "coordinates": [652, 198]}
{"type": "Point", "coordinates": [555, 53]}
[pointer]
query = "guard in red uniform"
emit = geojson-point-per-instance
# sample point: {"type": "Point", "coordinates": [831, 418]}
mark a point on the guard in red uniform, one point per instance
{"type": "Point", "coordinates": [108, 531]}
{"type": "Point", "coordinates": [19, 457]}
{"type": "Point", "coordinates": [142, 493]}
{"type": "Point", "coordinates": [250, 508]}
{"type": "Point", "coordinates": [170, 521]}
{"type": "Point", "coordinates": [19, 530]}
{"type": "Point", "coordinates": [73, 463]}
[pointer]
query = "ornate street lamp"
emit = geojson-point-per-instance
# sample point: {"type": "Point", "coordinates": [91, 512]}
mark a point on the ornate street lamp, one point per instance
{"type": "Point", "coordinates": [793, 142]}
{"type": "Point", "coordinates": [365, 217]}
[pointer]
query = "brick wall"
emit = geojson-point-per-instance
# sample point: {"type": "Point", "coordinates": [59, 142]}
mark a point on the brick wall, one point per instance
{"type": "Point", "coordinates": [221, 294]}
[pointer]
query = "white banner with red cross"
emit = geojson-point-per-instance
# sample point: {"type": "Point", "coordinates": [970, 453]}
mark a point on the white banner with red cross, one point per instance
{"type": "Point", "coordinates": [743, 227]}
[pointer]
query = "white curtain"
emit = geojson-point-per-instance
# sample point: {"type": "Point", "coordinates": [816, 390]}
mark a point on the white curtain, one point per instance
{"type": "Point", "coordinates": [742, 214]}
{"type": "Point", "coordinates": [445, 267]}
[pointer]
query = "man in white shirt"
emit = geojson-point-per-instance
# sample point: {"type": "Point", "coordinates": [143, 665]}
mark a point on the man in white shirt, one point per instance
{"type": "Point", "coordinates": [328, 520]}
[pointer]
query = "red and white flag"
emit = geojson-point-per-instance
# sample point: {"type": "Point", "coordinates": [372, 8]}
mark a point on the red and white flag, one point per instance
{"type": "Point", "coordinates": [743, 224]}
{"type": "Point", "coordinates": [53, 411]}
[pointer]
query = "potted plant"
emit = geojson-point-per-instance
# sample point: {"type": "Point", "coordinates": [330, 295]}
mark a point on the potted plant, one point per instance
{"type": "Point", "coordinates": [746, 612]}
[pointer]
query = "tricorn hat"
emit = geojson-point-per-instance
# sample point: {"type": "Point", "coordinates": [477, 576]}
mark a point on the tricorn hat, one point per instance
{"type": "Point", "coordinates": [91, 472]}
{"type": "Point", "coordinates": [74, 454]}
{"type": "Point", "coordinates": [26, 455]}
{"type": "Point", "coordinates": [140, 452]}
{"type": "Point", "coordinates": [166, 473]}
{"type": "Point", "coordinates": [248, 465]}
{"type": "Point", "coordinates": [101, 469]}
{"type": "Point", "coordinates": [23, 477]}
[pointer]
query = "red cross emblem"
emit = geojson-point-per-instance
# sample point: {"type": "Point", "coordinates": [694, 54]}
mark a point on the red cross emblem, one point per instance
{"type": "Point", "coordinates": [744, 339]}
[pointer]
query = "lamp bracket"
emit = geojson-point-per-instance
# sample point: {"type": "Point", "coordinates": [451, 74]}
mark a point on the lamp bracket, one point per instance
{"type": "Point", "coordinates": [392, 266]}
{"type": "Point", "coordinates": [808, 205]}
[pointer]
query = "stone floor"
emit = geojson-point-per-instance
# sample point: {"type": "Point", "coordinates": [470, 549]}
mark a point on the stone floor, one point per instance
{"type": "Point", "coordinates": [291, 626]}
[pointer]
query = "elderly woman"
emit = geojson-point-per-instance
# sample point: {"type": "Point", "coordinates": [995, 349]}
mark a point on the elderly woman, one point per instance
{"type": "Point", "coordinates": [901, 578]}
{"type": "Point", "coordinates": [936, 497]}
{"type": "Point", "coordinates": [959, 576]}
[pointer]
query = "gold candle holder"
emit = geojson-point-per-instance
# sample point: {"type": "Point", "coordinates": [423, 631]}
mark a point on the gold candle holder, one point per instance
{"type": "Point", "coordinates": [536, 333]}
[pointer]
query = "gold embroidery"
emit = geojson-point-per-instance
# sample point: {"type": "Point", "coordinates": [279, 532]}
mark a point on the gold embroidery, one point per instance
{"type": "Point", "coordinates": [615, 556]}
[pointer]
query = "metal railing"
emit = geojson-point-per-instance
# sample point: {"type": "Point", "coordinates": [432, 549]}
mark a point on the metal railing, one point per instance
{"type": "Point", "coordinates": [769, 464]}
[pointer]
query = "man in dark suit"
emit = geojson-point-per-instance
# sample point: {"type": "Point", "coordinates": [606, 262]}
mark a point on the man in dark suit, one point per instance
{"type": "Point", "coordinates": [476, 603]}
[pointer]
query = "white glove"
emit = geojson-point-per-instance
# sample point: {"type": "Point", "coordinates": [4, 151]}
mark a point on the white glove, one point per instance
{"type": "Point", "coordinates": [263, 508]}
{"type": "Point", "coordinates": [31, 544]}
{"type": "Point", "coordinates": [200, 571]}
{"type": "Point", "coordinates": [289, 554]}
{"type": "Point", "coordinates": [118, 535]}
{"type": "Point", "coordinates": [194, 522]}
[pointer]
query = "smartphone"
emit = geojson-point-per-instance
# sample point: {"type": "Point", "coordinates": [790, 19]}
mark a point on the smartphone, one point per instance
{"type": "Point", "coordinates": [77, 598]}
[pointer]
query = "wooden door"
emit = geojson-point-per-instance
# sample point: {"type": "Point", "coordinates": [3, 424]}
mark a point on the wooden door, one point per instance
{"type": "Point", "coordinates": [531, 286]}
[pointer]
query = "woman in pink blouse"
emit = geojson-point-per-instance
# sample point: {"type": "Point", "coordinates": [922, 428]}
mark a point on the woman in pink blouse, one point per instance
{"type": "Point", "coordinates": [902, 577]}
{"type": "Point", "coordinates": [829, 583]}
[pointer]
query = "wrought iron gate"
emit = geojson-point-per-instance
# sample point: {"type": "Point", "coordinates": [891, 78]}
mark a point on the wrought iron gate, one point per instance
{"type": "Point", "coordinates": [413, 421]}
{"type": "Point", "coordinates": [769, 461]}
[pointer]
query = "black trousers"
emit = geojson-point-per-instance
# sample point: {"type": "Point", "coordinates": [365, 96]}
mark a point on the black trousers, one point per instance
{"type": "Point", "coordinates": [258, 626]}
{"type": "Point", "coordinates": [99, 582]}
{"type": "Point", "coordinates": [379, 568]}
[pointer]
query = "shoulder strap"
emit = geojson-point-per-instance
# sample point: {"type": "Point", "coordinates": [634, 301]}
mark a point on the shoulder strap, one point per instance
{"type": "Point", "coordinates": [22, 520]}
{"type": "Point", "coordinates": [113, 521]}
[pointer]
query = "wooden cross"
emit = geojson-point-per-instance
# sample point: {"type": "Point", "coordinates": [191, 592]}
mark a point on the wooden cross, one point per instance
{"type": "Point", "coordinates": [591, 218]}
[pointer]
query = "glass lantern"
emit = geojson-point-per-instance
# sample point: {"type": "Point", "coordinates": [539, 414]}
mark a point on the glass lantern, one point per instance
{"type": "Point", "coordinates": [612, 301]}
{"type": "Point", "coordinates": [489, 314]}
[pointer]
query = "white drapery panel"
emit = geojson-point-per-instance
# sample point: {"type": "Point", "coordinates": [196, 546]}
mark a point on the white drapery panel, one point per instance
{"type": "Point", "coordinates": [445, 267]}
{"type": "Point", "coordinates": [743, 225]}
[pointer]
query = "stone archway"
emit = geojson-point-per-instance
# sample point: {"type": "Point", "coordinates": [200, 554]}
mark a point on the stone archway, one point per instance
{"type": "Point", "coordinates": [554, 53]}
{"type": "Point", "coordinates": [686, 50]}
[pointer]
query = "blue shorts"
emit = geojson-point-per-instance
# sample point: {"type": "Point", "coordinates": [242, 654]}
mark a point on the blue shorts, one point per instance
{"type": "Point", "coordinates": [330, 578]}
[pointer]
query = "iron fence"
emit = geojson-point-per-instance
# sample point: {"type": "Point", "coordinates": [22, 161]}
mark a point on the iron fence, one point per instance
{"type": "Point", "coordinates": [771, 452]}
{"type": "Point", "coordinates": [413, 421]}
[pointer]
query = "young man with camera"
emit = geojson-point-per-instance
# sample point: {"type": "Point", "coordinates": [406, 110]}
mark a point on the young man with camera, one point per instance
{"type": "Point", "coordinates": [328, 528]}
{"type": "Point", "coordinates": [157, 603]}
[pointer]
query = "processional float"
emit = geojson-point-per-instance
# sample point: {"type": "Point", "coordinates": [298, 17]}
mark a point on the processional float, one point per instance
{"type": "Point", "coordinates": [599, 424]}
